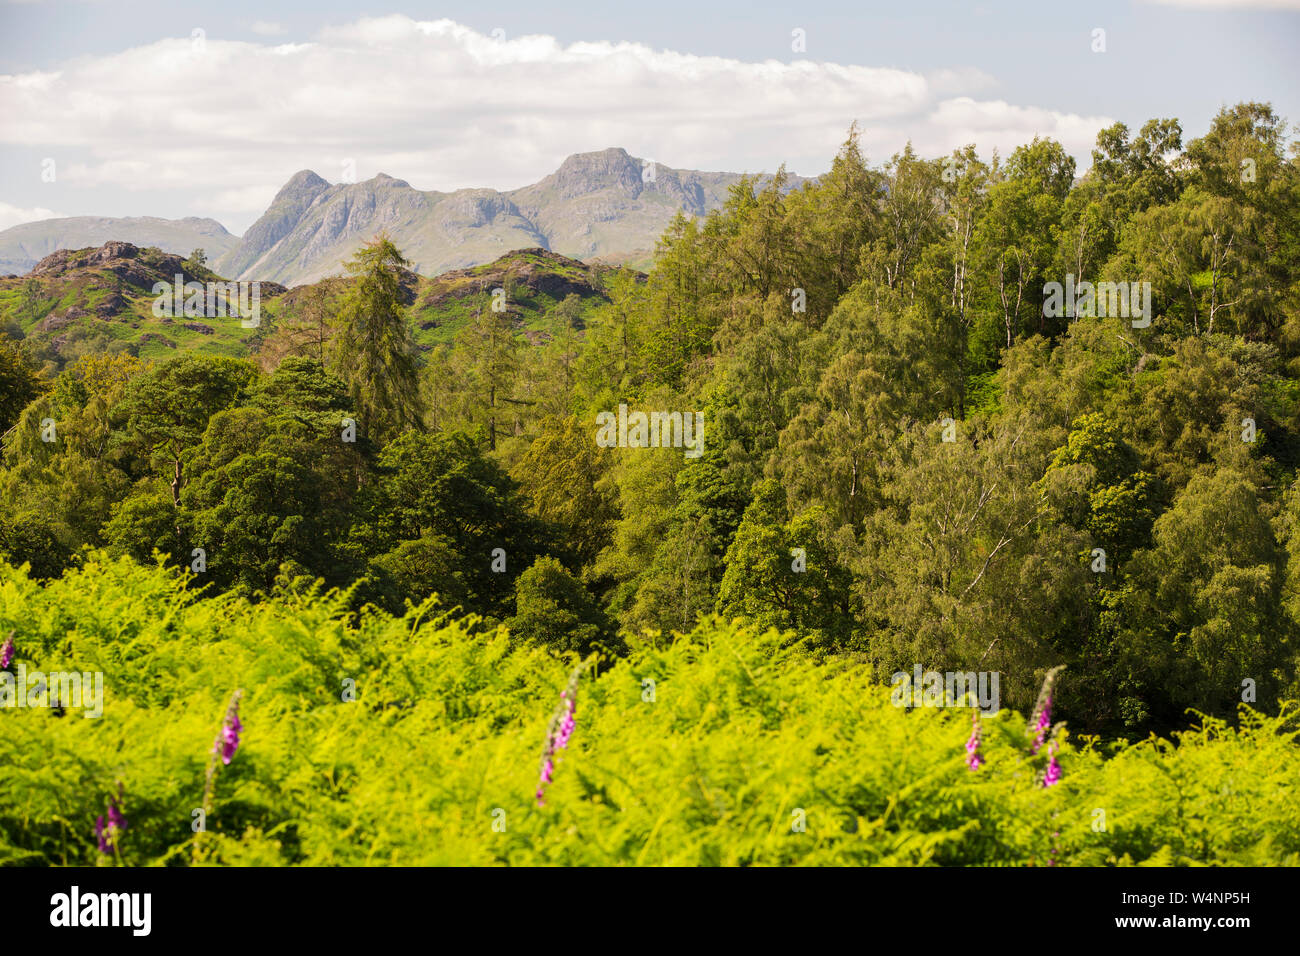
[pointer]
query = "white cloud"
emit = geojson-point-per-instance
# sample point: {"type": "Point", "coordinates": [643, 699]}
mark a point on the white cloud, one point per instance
{"type": "Point", "coordinates": [444, 107]}
{"type": "Point", "coordinates": [266, 28]}
{"type": "Point", "coordinates": [14, 215]}
{"type": "Point", "coordinates": [980, 122]}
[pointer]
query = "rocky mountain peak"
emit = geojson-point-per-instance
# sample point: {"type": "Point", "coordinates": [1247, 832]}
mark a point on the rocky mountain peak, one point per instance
{"type": "Point", "coordinates": [302, 182]}
{"type": "Point", "coordinates": [602, 204]}
{"type": "Point", "coordinates": [584, 173]}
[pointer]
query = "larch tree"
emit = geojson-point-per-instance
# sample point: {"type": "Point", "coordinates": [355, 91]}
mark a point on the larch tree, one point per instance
{"type": "Point", "coordinates": [373, 351]}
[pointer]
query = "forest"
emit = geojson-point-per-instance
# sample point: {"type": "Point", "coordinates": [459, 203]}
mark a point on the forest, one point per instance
{"type": "Point", "coordinates": [908, 453]}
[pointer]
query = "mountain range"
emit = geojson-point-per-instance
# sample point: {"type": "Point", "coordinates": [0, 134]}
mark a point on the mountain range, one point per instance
{"type": "Point", "coordinates": [606, 205]}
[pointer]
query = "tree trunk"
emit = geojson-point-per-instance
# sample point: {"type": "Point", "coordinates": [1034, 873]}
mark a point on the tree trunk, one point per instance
{"type": "Point", "coordinates": [176, 484]}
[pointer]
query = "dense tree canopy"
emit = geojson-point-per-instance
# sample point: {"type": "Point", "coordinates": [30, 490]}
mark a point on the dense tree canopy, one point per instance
{"type": "Point", "coordinates": [905, 455]}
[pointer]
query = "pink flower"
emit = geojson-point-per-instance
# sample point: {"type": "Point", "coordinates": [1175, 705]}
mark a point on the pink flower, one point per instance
{"type": "Point", "coordinates": [7, 652]}
{"type": "Point", "coordinates": [107, 836]}
{"type": "Point", "coordinates": [227, 741]}
{"type": "Point", "coordinates": [973, 758]}
{"type": "Point", "coordinates": [559, 732]}
{"type": "Point", "coordinates": [230, 738]}
{"type": "Point", "coordinates": [1053, 775]}
{"type": "Point", "coordinates": [1044, 724]}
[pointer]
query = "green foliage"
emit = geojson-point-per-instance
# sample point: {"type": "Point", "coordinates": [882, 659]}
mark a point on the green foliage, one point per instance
{"type": "Point", "coordinates": [441, 489]}
{"type": "Point", "coordinates": [562, 474]}
{"type": "Point", "coordinates": [373, 351]}
{"type": "Point", "coordinates": [746, 750]}
{"type": "Point", "coordinates": [198, 260]}
{"type": "Point", "coordinates": [166, 410]}
{"type": "Point", "coordinates": [19, 384]}
{"type": "Point", "coordinates": [784, 573]}
{"type": "Point", "coordinates": [554, 609]}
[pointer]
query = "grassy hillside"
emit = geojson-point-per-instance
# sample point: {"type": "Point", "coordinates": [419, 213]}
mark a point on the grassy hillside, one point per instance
{"type": "Point", "coordinates": [536, 281]}
{"type": "Point", "coordinates": [90, 301]}
{"type": "Point", "coordinates": [745, 750]}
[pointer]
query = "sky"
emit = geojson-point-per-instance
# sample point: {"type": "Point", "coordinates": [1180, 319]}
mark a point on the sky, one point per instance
{"type": "Point", "coordinates": [173, 109]}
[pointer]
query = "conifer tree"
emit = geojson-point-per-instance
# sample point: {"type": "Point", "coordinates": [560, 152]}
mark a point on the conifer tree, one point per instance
{"type": "Point", "coordinates": [373, 351]}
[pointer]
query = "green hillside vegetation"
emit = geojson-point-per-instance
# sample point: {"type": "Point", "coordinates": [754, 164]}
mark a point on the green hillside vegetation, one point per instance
{"type": "Point", "coordinates": [535, 283]}
{"type": "Point", "coordinates": [93, 301]}
{"type": "Point", "coordinates": [84, 302]}
{"type": "Point", "coordinates": [724, 746]}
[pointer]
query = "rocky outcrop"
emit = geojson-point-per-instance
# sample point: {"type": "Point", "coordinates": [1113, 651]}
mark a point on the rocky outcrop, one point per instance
{"type": "Point", "coordinates": [23, 246]}
{"type": "Point", "coordinates": [531, 270]}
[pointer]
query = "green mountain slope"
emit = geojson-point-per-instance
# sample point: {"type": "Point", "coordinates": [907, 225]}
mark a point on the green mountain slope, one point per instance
{"type": "Point", "coordinates": [537, 281]}
{"type": "Point", "coordinates": [101, 300]}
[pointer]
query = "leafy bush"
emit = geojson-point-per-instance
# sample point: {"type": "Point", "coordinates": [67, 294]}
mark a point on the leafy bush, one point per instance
{"type": "Point", "coordinates": [740, 735]}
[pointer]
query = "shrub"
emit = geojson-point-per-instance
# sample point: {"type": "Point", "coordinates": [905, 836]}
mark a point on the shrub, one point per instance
{"type": "Point", "coordinates": [742, 736]}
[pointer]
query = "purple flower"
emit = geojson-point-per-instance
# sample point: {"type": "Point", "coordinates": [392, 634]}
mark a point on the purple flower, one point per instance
{"type": "Point", "coordinates": [566, 727]}
{"type": "Point", "coordinates": [1043, 725]}
{"type": "Point", "coordinates": [1053, 775]}
{"type": "Point", "coordinates": [107, 836]}
{"type": "Point", "coordinates": [557, 736]}
{"type": "Point", "coordinates": [1041, 721]}
{"type": "Point", "coordinates": [973, 758]}
{"type": "Point", "coordinates": [7, 652]}
{"type": "Point", "coordinates": [228, 740]}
